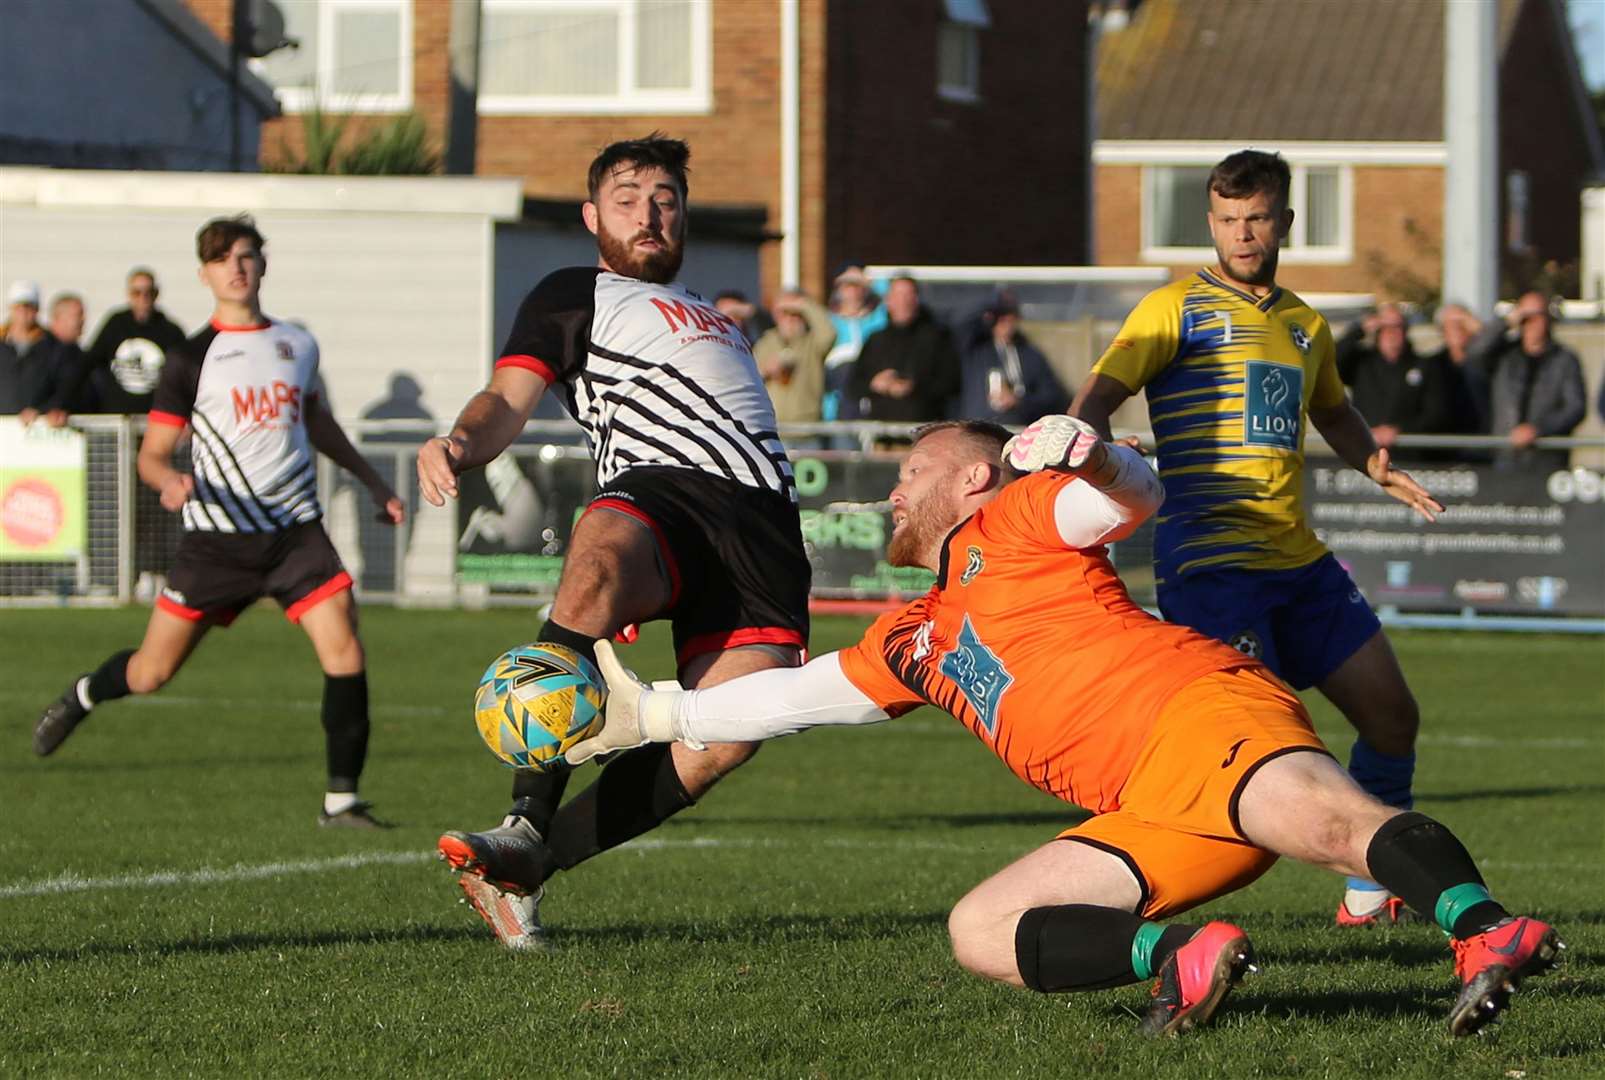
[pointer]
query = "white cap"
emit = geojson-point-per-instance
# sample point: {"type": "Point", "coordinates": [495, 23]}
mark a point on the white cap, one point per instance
{"type": "Point", "coordinates": [23, 292]}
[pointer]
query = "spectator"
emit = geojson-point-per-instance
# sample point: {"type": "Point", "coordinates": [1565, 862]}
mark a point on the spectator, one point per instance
{"type": "Point", "coordinates": [1535, 386]}
{"type": "Point", "coordinates": [1005, 378]}
{"type": "Point", "coordinates": [733, 304]}
{"type": "Point", "coordinates": [791, 357]}
{"type": "Point", "coordinates": [1398, 392]}
{"type": "Point", "coordinates": [29, 356]}
{"type": "Point", "coordinates": [856, 313]}
{"type": "Point", "coordinates": [1459, 327]}
{"type": "Point", "coordinates": [909, 370]}
{"type": "Point", "coordinates": [130, 348]}
{"type": "Point", "coordinates": [69, 391]}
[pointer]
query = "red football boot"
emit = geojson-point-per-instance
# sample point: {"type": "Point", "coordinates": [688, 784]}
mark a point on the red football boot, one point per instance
{"type": "Point", "coordinates": [1392, 912]}
{"type": "Point", "coordinates": [1197, 977]}
{"type": "Point", "coordinates": [1492, 964]}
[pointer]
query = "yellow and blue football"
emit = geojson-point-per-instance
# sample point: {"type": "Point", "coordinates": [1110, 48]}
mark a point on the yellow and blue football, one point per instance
{"type": "Point", "coordinates": [536, 701]}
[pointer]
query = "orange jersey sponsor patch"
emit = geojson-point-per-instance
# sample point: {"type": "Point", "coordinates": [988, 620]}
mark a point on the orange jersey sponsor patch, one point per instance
{"type": "Point", "coordinates": [1037, 648]}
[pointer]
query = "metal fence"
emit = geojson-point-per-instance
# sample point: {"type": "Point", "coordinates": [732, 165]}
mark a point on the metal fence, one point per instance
{"type": "Point", "coordinates": [503, 541]}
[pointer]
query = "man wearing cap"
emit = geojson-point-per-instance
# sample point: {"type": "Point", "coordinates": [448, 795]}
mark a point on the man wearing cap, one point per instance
{"type": "Point", "coordinates": [1005, 378]}
{"type": "Point", "coordinates": [29, 355]}
{"type": "Point", "coordinates": [131, 347]}
{"type": "Point", "coordinates": [791, 356]}
{"type": "Point", "coordinates": [856, 312]}
{"type": "Point", "coordinates": [1535, 385]}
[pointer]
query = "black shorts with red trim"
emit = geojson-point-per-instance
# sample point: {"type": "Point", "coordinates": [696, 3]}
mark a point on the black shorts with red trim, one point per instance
{"type": "Point", "coordinates": [216, 576]}
{"type": "Point", "coordinates": [738, 574]}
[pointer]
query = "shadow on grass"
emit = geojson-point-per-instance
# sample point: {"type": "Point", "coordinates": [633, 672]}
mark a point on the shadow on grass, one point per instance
{"type": "Point", "coordinates": [242, 943]}
{"type": "Point", "coordinates": [760, 931]}
{"type": "Point", "coordinates": [1055, 819]}
{"type": "Point", "coordinates": [312, 757]}
{"type": "Point", "coordinates": [1486, 794]}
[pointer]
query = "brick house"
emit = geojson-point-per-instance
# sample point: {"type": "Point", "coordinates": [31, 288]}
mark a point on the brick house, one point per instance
{"type": "Point", "coordinates": [1351, 93]}
{"type": "Point", "coordinates": [904, 111]}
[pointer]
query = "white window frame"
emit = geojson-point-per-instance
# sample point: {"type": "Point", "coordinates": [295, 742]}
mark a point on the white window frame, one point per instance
{"type": "Point", "coordinates": [968, 17]}
{"type": "Point", "coordinates": [1295, 253]}
{"type": "Point", "coordinates": [301, 99]}
{"type": "Point", "coordinates": [628, 101]}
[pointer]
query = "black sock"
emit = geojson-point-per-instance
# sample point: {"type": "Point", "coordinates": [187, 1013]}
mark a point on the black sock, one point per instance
{"type": "Point", "coordinates": [345, 728]}
{"type": "Point", "coordinates": [110, 680]}
{"type": "Point", "coordinates": [1421, 862]}
{"type": "Point", "coordinates": [584, 644]}
{"type": "Point", "coordinates": [637, 791]}
{"type": "Point", "coordinates": [1086, 947]}
{"type": "Point", "coordinates": [536, 795]}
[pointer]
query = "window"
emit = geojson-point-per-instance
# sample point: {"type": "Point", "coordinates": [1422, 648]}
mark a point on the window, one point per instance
{"type": "Point", "coordinates": [1176, 200]}
{"type": "Point", "coordinates": [595, 56]}
{"type": "Point", "coordinates": [958, 49]}
{"type": "Point", "coordinates": [354, 56]}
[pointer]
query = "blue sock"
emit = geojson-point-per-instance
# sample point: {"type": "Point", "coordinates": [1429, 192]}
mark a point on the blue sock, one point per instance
{"type": "Point", "coordinates": [1384, 777]}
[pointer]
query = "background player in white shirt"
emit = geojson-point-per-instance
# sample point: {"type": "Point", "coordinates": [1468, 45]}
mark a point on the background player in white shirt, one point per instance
{"type": "Point", "coordinates": [696, 520]}
{"type": "Point", "coordinates": [247, 389]}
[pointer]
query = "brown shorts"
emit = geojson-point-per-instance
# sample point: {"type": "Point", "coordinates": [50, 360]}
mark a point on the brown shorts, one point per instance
{"type": "Point", "coordinates": [1177, 827]}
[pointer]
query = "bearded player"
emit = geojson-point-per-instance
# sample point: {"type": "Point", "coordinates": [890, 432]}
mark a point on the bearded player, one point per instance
{"type": "Point", "coordinates": [1233, 365]}
{"type": "Point", "coordinates": [695, 521]}
{"type": "Point", "coordinates": [1199, 765]}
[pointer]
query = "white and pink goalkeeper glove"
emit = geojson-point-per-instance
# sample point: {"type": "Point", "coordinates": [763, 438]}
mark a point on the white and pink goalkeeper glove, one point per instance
{"type": "Point", "coordinates": [1056, 442]}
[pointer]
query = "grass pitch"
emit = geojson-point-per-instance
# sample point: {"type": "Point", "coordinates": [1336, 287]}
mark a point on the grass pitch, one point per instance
{"type": "Point", "coordinates": [168, 906]}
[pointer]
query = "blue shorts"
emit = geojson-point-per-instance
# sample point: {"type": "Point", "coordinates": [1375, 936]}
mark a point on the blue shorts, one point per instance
{"type": "Point", "coordinates": [1302, 623]}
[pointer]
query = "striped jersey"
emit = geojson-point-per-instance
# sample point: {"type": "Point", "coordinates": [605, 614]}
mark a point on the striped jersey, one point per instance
{"type": "Point", "coordinates": [653, 374]}
{"type": "Point", "coordinates": [244, 391]}
{"type": "Point", "coordinates": [1230, 378]}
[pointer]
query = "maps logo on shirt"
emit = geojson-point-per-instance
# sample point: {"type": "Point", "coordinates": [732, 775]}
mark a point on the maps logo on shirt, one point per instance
{"type": "Point", "coordinates": [1272, 404]}
{"type": "Point", "coordinates": [979, 675]}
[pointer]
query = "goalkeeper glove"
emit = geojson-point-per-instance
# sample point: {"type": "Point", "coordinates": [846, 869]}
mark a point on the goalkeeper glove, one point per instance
{"type": "Point", "coordinates": [1057, 442]}
{"type": "Point", "coordinates": [635, 713]}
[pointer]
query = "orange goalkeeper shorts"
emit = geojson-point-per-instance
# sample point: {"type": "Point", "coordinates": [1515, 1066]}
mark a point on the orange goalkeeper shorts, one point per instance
{"type": "Point", "coordinates": [1177, 827]}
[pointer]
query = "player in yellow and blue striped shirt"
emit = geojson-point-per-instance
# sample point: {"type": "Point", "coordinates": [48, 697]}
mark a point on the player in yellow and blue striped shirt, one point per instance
{"type": "Point", "coordinates": [1233, 365]}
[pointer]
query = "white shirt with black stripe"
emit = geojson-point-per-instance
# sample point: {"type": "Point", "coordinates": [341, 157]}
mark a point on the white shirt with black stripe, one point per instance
{"type": "Point", "coordinates": [244, 392]}
{"type": "Point", "coordinates": [653, 374]}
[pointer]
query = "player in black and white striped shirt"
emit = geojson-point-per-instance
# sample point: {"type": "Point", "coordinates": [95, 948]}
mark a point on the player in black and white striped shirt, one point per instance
{"type": "Point", "coordinates": [695, 521]}
{"type": "Point", "coordinates": [247, 389]}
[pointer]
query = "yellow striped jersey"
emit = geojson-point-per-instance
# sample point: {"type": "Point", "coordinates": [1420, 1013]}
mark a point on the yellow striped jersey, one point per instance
{"type": "Point", "coordinates": [1229, 379]}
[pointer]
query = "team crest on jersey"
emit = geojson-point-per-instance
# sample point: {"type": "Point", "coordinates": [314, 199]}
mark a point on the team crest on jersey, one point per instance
{"type": "Point", "coordinates": [979, 675]}
{"type": "Point", "coordinates": [1272, 404]}
{"type": "Point", "coordinates": [1300, 336]}
{"type": "Point", "coordinates": [1248, 643]}
{"type": "Point", "coordinates": [285, 350]}
{"type": "Point", "coordinates": [974, 565]}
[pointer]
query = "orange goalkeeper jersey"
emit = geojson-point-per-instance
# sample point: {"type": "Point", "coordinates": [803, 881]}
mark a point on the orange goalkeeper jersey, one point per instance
{"type": "Point", "coordinates": [1037, 648]}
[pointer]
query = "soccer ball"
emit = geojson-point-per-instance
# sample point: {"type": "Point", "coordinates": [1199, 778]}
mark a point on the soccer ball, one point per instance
{"type": "Point", "coordinates": [536, 701]}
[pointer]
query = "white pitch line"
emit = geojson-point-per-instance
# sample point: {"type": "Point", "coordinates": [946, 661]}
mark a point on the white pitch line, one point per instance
{"type": "Point", "coordinates": [73, 883]}
{"type": "Point", "coordinates": [63, 884]}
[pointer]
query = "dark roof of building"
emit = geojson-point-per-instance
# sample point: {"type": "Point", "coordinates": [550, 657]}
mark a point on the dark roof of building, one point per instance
{"type": "Point", "coordinates": [1307, 70]}
{"type": "Point", "coordinates": [195, 35]}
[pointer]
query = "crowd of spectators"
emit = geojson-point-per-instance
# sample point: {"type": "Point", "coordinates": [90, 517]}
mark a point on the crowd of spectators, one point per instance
{"type": "Point", "coordinates": [45, 371]}
{"type": "Point", "coordinates": [882, 354]}
{"type": "Point", "coordinates": [1504, 377]}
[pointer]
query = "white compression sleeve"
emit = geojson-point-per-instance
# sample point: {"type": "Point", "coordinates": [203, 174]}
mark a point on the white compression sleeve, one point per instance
{"type": "Point", "coordinates": [768, 704]}
{"type": "Point", "coordinates": [1099, 512]}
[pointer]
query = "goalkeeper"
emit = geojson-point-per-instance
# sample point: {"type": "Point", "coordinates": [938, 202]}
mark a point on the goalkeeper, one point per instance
{"type": "Point", "coordinates": [1200, 766]}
